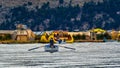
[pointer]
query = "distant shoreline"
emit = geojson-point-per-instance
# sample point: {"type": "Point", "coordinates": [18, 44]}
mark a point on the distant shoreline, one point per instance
{"type": "Point", "coordinates": [88, 41]}
{"type": "Point", "coordinates": [27, 42]}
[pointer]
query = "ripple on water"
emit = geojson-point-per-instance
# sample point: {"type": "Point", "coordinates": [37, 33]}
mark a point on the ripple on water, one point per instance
{"type": "Point", "coordinates": [92, 55]}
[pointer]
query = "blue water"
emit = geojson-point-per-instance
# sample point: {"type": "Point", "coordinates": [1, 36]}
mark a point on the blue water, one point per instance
{"type": "Point", "coordinates": [86, 55]}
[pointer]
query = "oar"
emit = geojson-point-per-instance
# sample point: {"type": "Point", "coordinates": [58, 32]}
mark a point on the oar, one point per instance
{"type": "Point", "coordinates": [35, 48]}
{"type": "Point", "coordinates": [68, 47]}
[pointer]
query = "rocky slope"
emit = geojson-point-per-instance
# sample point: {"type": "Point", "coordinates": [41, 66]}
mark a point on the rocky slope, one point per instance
{"type": "Point", "coordinates": [56, 14]}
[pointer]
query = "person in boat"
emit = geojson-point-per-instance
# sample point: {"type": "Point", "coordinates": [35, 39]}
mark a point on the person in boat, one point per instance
{"type": "Point", "coordinates": [59, 41]}
{"type": "Point", "coordinates": [51, 42]}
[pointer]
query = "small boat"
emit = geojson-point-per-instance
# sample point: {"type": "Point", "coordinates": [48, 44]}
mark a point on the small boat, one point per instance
{"type": "Point", "coordinates": [47, 48]}
{"type": "Point", "coordinates": [51, 49]}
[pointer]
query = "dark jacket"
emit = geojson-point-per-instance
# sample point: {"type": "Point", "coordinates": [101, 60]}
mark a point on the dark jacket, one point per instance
{"type": "Point", "coordinates": [51, 42]}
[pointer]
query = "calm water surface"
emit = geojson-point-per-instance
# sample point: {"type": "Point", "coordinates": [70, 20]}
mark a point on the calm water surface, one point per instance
{"type": "Point", "coordinates": [86, 55]}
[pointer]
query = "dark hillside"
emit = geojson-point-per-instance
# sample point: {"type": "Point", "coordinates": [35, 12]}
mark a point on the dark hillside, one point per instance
{"type": "Point", "coordinates": [92, 14]}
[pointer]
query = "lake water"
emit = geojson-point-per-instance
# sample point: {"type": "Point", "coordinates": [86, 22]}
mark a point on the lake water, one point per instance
{"type": "Point", "coordinates": [86, 55]}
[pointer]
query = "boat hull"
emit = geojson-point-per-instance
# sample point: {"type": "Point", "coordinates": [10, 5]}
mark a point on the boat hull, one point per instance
{"type": "Point", "coordinates": [51, 49]}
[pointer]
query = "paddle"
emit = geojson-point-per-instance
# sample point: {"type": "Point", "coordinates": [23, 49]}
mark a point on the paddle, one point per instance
{"type": "Point", "coordinates": [35, 48]}
{"type": "Point", "coordinates": [68, 47]}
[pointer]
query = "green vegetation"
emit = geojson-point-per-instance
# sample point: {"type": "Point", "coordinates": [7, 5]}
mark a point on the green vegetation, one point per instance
{"type": "Point", "coordinates": [107, 36]}
{"type": "Point", "coordinates": [100, 36]}
{"type": "Point", "coordinates": [104, 15]}
{"type": "Point", "coordinates": [6, 37]}
{"type": "Point", "coordinates": [37, 37]}
{"type": "Point", "coordinates": [61, 1]}
{"type": "Point", "coordinates": [79, 37]}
